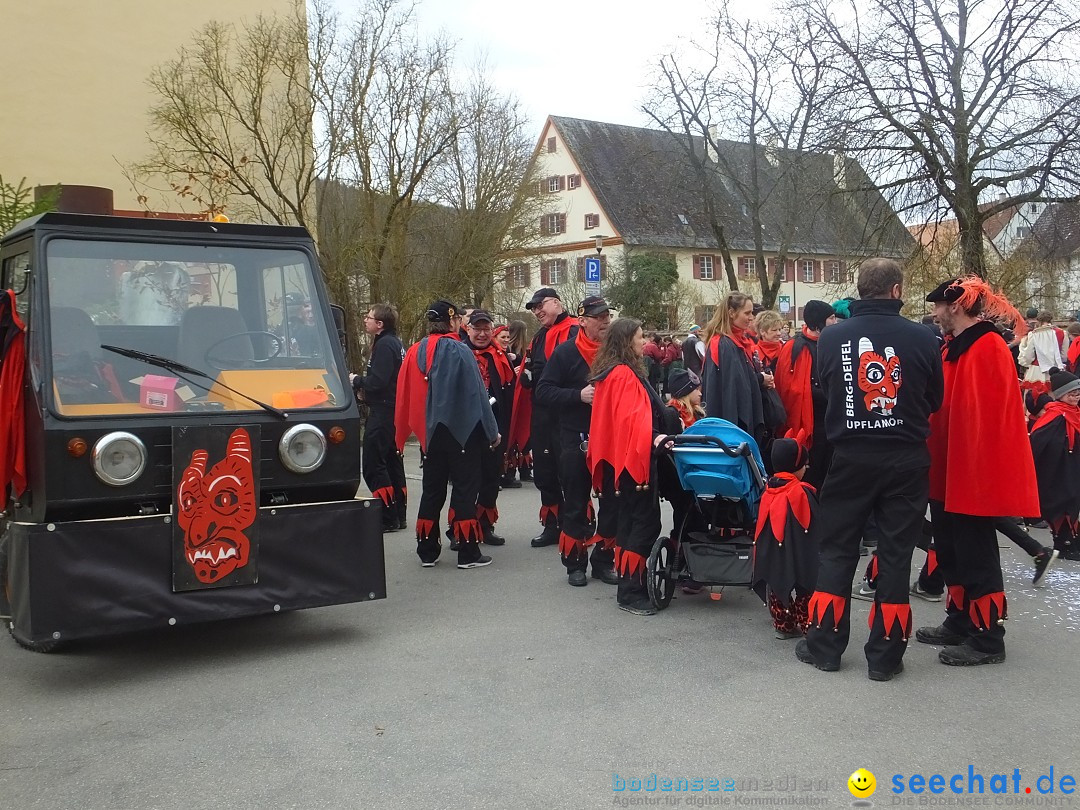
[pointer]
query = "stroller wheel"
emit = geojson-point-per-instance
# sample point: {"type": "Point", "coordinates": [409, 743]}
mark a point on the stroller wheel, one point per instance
{"type": "Point", "coordinates": [660, 572]}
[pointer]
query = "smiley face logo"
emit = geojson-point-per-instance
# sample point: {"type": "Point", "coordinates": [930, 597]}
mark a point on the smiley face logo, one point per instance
{"type": "Point", "coordinates": [862, 784]}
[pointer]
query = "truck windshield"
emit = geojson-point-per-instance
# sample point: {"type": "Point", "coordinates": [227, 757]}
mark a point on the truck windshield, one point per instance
{"type": "Point", "coordinates": [246, 316]}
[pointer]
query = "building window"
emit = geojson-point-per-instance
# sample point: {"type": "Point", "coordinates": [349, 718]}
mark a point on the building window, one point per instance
{"type": "Point", "coordinates": [1023, 232]}
{"type": "Point", "coordinates": [557, 271]}
{"type": "Point", "coordinates": [592, 221]}
{"type": "Point", "coordinates": [808, 271]}
{"type": "Point", "coordinates": [702, 315]}
{"type": "Point", "coordinates": [552, 224]}
{"type": "Point", "coordinates": [834, 273]}
{"type": "Point", "coordinates": [707, 268]}
{"type": "Point", "coordinates": [554, 184]}
{"type": "Point", "coordinates": [517, 276]}
{"type": "Point", "coordinates": [551, 145]}
{"type": "Point", "coordinates": [573, 181]}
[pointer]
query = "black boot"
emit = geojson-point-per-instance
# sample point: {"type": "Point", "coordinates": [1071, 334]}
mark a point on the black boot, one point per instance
{"type": "Point", "coordinates": [400, 505]}
{"type": "Point", "coordinates": [549, 536]}
{"type": "Point", "coordinates": [492, 539]}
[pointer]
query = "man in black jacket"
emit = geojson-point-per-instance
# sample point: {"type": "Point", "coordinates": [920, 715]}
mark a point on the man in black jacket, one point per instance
{"type": "Point", "coordinates": [882, 379]}
{"type": "Point", "coordinates": [498, 376]}
{"type": "Point", "coordinates": [381, 464]}
{"type": "Point", "coordinates": [555, 327]}
{"type": "Point", "coordinates": [565, 389]}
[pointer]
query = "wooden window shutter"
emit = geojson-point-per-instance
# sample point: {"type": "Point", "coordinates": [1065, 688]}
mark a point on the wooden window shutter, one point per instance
{"type": "Point", "coordinates": [562, 223]}
{"type": "Point", "coordinates": [544, 225]}
{"type": "Point", "coordinates": [819, 271]}
{"type": "Point", "coordinates": [528, 275]}
{"type": "Point", "coordinates": [581, 268]}
{"type": "Point", "coordinates": [770, 267]}
{"type": "Point", "coordinates": [697, 266]}
{"type": "Point", "coordinates": [545, 273]}
{"type": "Point", "coordinates": [699, 314]}
{"type": "Point", "coordinates": [551, 144]}
{"type": "Point", "coordinates": [790, 271]}
{"type": "Point", "coordinates": [562, 183]}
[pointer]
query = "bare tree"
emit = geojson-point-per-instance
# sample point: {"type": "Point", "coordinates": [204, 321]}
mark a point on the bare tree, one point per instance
{"type": "Point", "coordinates": [946, 102]}
{"type": "Point", "coordinates": [765, 100]}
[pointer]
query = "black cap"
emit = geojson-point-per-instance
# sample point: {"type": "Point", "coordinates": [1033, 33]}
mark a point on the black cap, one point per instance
{"type": "Point", "coordinates": [788, 456]}
{"type": "Point", "coordinates": [682, 382]}
{"type": "Point", "coordinates": [592, 306]}
{"type": "Point", "coordinates": [478, 315]}
{"type": "Point", "coordinates": [947, 291]}
{"type": "Point", "coordinates": [441, 310]}
{"type": "Point", "coordinates": [815, 313]}
{"type": "Point", "coordinates": [539, 296]}
{"type": "Point", "coordinates": [1062, 382]}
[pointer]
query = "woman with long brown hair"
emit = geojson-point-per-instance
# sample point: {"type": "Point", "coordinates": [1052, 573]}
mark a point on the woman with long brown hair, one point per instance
{"type": "Point", "coordinates": [733, 376]}
{"type": "Point", "coordinates": [627, 419]}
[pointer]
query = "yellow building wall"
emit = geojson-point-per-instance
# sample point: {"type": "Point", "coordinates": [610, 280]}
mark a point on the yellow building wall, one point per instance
{"type": "Point", "coordinates": [73, 93]}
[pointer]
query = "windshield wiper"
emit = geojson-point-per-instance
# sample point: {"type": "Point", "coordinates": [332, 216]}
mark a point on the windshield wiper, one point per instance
{"type": "Point", "coordinates": [180, 369]}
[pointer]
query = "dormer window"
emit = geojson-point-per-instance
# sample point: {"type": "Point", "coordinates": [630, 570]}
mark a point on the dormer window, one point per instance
{"type": "Point", "coordinates": [683, 220]}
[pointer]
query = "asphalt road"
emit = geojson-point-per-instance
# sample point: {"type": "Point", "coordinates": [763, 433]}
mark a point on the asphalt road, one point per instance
{"type": "Point", "coordinates": [503, 687]}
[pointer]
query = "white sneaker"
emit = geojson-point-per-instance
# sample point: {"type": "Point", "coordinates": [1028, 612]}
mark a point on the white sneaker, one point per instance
{"type": "Point", "coordinates": [863, 592]}
{"type": "Point", "coordinates": [919, 592]}
{"type": "Point", "coordinates": [428, 564]}
{"type": "Point", "coordinates": [479, 562]}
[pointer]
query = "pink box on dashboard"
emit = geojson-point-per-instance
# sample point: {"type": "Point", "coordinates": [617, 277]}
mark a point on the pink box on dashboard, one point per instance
{"type": "Point", "coordinates": [159, 392]}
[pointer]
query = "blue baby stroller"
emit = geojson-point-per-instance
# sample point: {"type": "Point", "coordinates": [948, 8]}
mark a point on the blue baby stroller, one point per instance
{"type": "Point", "coordinates": [721, 466]}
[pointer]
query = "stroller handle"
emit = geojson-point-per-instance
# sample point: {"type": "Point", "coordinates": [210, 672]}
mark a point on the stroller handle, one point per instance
{"type": "Point", "coordinates": [741, 449]}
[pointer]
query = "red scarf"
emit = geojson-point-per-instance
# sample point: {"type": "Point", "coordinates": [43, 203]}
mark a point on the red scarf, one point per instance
{"type": "Point", "coordinates": [586, 347]}
{"type": "Point", "coordinates": [1072, 420]}
{"type": "Point", "coordinates": [685, 412]}
{"type": "Point", "coordinates": [742, 339]}
{"type": "Point", "coordinates": [556, 334]}
{"type": "Point", "coordinates": [769, 351]}
{"type": "Point", "coordinates": [502, 364]}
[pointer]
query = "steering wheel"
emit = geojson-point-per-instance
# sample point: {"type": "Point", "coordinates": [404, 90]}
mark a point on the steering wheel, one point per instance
{"type": "Point", "coordinates": [215, 362]}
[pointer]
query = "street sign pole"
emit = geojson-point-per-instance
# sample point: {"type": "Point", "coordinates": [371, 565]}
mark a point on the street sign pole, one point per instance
{"type": "Point", "coordinates": [592, 275]}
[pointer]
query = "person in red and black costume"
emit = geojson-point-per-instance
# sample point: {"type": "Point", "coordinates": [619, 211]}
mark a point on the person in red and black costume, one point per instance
{"type": "Point", "coordinates": [538, 425]}
{"type": "Point", "coordinates": [441, 398]}
{"type": "Point", "coordinates": [980, 429]}
{"type": "Point", "coordinates": [1054, 438]}
{"type": "Point", "coordinates": [627, 420]}
{"type": "Point", "coordinates": [800, 389]}
{"type": "Point", "coordinates": [882, 379]}
{"type": "Point", "coordinates": [382, 465]}
{"type": "Point", "coordinates": [785, 540]}
{"type": "Point", "coordinates": [733, 378]}
{"type": "Point", "coordinates": [565, 389]}
{"type": "Point", "coordinates": [498, 377]}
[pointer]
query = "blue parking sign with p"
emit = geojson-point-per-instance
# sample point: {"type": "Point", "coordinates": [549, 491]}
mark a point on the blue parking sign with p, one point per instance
{"type": "Point", "coordinates": [592, 269]}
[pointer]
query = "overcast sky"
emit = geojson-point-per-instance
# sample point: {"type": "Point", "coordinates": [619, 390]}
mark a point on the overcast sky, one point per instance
{"type": "Point", "coordinates": [578, 58]}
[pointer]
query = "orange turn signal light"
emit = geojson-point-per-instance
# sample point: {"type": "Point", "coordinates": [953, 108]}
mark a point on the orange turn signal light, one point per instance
{"type": "Point", "coordinates": [77, 447]}
{"type": "Point", "coordinates": [336, 435]}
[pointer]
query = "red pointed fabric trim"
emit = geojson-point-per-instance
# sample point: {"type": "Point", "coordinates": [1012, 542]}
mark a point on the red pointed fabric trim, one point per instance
{"type": "Point", "coordinates": [931, 561]}
{"type": "Point", "coordinates": [424, 528]}
{"type": "Point", "coordinates": [467, 531]}
{"type": "Point", "coordinates": [628, 563]}
{"type": "Point", "coordinates": [385, 494]}
{"type": "Point", "coordinates": [547, 511]}
{"type": "Point", "coordinates": [404, 490]}
{"type": "Point", "coordinates": [1071, 415]}
{"type": "Point", "coordinates": [956, 597]}
{"type": "Point", "coordinates": [570, 546]}
{"type": "Point", "coordinates": [820, 603]}
{"type": "Point", "coordinates": [487, 514]}
{"type": "Point", "coordinates": [872, 569]}
{"type": "Point", "coordinates": [451, 516]}
{"type": "Point", "coordinates": [979, 609]}
{"type": "Point", "coordinates": [893, 614]}
{"type": "Point", "coordinates": [605, 542]}
{"type": "Point", "coordinates": [590, 513]}
{"type": "Point", "coordinates": [778, 502]}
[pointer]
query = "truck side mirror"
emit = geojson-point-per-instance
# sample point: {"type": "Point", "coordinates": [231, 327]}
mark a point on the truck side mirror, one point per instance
{"type": "Point", "coordinates": [341, 326]}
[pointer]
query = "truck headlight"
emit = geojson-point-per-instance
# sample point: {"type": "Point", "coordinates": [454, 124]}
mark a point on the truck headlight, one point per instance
{"type": "Point", "coordinates": [119, 458]}
{"type": "Point", "coordinates": [302, 448]}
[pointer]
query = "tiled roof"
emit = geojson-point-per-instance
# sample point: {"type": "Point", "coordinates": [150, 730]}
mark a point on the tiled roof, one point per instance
{"type": "Point", "coordinates": [1056, 233]}
{"type": "Point", "coordinates": [647, 185]}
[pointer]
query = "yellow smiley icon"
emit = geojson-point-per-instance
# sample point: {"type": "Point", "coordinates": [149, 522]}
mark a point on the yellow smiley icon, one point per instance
{"type": "Point", "coordinates": [862, 784]}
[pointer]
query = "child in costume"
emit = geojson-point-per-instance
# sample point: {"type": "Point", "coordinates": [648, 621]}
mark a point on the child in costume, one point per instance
{"type": "Point", "coordinates": [1057, 464]}
{"type": "Point", "coordinates": [685, 388]}
{"type": "Point", "coordinates": [785, 542]}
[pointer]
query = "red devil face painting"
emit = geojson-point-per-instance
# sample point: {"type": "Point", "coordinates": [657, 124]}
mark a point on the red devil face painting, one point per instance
{"type": "Point", "coordinates": [879, 378]}
{"type": "Point", "coordinates": [214, 508]}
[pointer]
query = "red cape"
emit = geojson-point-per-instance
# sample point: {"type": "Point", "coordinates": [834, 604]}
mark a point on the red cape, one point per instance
{"type": "Point", "coordinates": [410, 412]}
{"type": "Point", "coordinates": [1071, 415]}
{"type": "Point", "coordinates": [793, 386]}
{"type": "Point", "coordinates": [980, 458]}
{"type": "Point", "coordinates": [1074, 355]}
{"type": "Point", "coordinates": [521, 413]}
{"type": "Point", "coordinates": [621, 429]}
{"type": "Point", "coordinates": [12, 401]}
